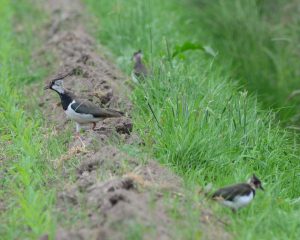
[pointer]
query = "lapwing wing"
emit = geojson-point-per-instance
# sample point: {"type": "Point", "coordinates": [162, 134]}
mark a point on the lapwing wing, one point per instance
{"type": "Point", "coordinates": [238, 195]}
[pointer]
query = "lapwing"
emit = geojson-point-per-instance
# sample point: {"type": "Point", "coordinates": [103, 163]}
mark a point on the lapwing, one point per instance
{"type": "Point", "coordinates": [83, 112]}
{"type": "Point", "coordinates": [238, 195]}
{"type": "Point", "coordinates": [139, 69]}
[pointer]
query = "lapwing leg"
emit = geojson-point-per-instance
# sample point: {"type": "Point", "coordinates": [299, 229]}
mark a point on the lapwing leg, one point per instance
{"type": "Point", "coordinates": [94, 126]}
{"type": "Point", "coordinates": [78, 134]}
{"type": "Point", "coordinates": [77, 128]}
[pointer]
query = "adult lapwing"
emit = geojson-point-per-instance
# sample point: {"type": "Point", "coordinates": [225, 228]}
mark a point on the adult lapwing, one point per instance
{"type": "Point", "coordinates": [139, 71]}
{"type": "Point", "coordinates": [83, 112]}
{"type": "Point", "coordinates": [238, 195]}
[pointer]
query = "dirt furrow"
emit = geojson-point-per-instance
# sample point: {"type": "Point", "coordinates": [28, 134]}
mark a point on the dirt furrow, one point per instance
{"type": "Point", "coordinates": [116, 193]}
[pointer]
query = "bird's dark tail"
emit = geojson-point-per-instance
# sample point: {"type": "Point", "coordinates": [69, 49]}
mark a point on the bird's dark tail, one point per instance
{"type": "Point", "coordinates": [115, 113]}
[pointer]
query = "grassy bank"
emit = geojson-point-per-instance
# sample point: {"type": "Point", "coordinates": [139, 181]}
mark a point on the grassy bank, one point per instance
{"type": "Point", "coordinates": [25, 194]}
{"type": "Point", "coordinates": [258, 41]}
{"type": "Point", "coordinates": [209, 129]}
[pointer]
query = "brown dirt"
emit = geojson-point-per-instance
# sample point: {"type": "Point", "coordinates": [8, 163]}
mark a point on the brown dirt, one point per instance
{"type": "Point", "coordinates": [116, 192]}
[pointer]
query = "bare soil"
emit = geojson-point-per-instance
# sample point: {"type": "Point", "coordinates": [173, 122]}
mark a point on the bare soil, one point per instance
{"type": "Point", "coordinates": [116, 194]}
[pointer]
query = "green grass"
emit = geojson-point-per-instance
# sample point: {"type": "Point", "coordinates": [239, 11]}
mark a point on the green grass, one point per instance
{"type": "Point", "coordinates": [258, 41]}
{"type": "Point", "coordinates": [209, 128]}
{"type": "Point", "coordinates": [26, 146]}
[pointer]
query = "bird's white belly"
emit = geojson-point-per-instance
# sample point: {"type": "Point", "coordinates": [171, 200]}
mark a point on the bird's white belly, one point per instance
{"type": "Point", "coordinates": [239, 201]}
{"type": "Point", "coordinates": [134, 77]}
{"type": "Point", "coordinates": [79, 117]}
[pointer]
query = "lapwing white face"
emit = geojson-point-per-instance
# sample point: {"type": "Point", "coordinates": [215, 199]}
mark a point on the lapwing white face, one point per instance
{"type": "Point", "coordinates": [57, 86]}
{"type": "Point", "coordinates": [255, 183]}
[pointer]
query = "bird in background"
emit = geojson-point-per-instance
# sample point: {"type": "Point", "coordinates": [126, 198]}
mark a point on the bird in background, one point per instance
{"type": "Point", "coordinates": [81, 111]}
{"type": "Point", "coordinates": [139, 71]}
{"type": "Point", "coordinates": [238, 195]}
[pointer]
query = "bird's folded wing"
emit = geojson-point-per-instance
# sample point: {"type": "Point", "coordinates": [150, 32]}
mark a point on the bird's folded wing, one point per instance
{"type": "Point", "coordinates": [140, 70]}
{"type": "Point", "coordinates": [229, 193]}
{"type": "Point", "coordinates": [86, 107]}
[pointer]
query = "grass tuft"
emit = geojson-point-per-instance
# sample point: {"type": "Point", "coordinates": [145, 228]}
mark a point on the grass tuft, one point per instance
{"type": "Point", "coordinates": [25, 169]}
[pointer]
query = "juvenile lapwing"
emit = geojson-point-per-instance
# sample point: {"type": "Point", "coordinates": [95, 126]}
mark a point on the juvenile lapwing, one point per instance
{"type": "Point", "coordinates": [139, 69]}
{"type": "Point", "coordinates": [238, 195]}
{"type": "Point", "coordinates": [83, 112]}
